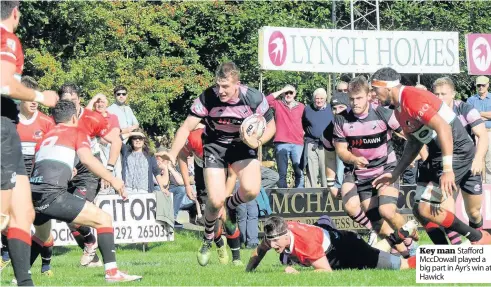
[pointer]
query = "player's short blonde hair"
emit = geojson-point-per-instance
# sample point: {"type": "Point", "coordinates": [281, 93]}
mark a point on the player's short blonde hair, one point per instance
{"type": "Point", "coordinates": [357, 85]}
{"type": "Point", "coordinates": [226, 70]}
{"type": "Point", "coordinates": [444, 81]}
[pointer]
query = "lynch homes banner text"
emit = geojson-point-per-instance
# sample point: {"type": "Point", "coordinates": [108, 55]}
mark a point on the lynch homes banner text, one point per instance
{"type": "Point", "coordinates": [358, 51]}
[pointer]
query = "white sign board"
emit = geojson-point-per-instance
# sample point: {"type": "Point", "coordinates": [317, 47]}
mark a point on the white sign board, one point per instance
{"type": "Point", "coordinates": [133, 221]}
{"type": "Point", "coordinates": [358, 51]}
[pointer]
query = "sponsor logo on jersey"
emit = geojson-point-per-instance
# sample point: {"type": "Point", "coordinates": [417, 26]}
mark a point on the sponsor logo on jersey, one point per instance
{"type": "Point", "coordinates": [38, 135]}
{"type": "Point", "coordinates": [422, 111]}
{"type": "Point", "coordinates": [11, 44]}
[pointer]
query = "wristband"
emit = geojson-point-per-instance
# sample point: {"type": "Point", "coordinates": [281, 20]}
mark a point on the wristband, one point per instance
{"type": "Point", "coordinates": [447, 161]}
{"type": "Point", "coordinates": [5, 90]}
{"type": "Point", "coordinates": [447, 170]}
{"type": "Point", "coordinates": [39, 97]}
{"type": "Point", "coordinates": [110, 167]}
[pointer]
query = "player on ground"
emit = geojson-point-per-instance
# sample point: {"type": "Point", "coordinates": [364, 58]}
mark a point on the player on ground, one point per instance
{"type": "Point", "coordinates": [85, 184]}
{"type": "Point", "coordinates": [18, 216]}
{"type": "Point", "coordinates": [323, 247]}
{"type": "Point", "coordinates": [427, 120]}
{"type": "Point", "coordinates": [223, 108]}
{"type": "Point", "coordinates": [362, 138]}
{"type": "Point", "coordinates": [54, 161]}
{"type": "Point", "coordinates": [351, 200]}
{"type": "Point", "coordinates": [470, 118]}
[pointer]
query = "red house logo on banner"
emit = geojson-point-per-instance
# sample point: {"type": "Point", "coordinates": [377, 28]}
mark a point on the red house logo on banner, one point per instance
{"type": "Point", "coordinates": [478, 51]}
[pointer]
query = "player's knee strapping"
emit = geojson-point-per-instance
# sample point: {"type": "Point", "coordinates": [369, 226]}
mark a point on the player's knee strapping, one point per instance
{"type": "Point", "coordinates": [375, 218]}
{"type": "Point", "coordinates": [478, 225]}
{"type": "Point", "coordinates": [387, 199]}
{"type": "Point", "coordinates": [351, 193]}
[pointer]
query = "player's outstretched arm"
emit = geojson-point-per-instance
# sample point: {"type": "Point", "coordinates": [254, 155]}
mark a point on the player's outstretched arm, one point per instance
{"type": "Point", "coordinates": [95, 166]}
{"type": "Point", "coordinates": [12, 88]}
{"type": "Point", "coordinates": [411, 151]}
{"type": "Point", "coordinates": [180, 140]}
{"type": "Point", "coordinates": [481, 148]}
{"type": "Point", "coordinates": [116, 143]}
{"type": "Point", "coordinates": [269, 132]}
{"type": "Point", "coordinates": [322, 265]}
{"type": "Point", "coordinates": [256, 256]}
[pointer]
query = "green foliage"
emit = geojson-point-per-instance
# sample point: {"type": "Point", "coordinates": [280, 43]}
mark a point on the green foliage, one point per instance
{"type": "Point", "coordinates": [165, 53]}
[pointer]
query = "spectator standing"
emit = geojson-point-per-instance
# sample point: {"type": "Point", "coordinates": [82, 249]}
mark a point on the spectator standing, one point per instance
{"type": "Point", "coordinates": [177, 188]}
{"type": "Point", "coordinates": [99, 103]}
{"type": "Point", "coordinates": [482, 102]}
{"type": "Point", "coordinates": [342, 87]}
{"type": "Point", "coordinates": [289, 133]}
{"type": "Point", "coordinates": [120, 108]}
{"type": "Point", "coordinates": [315, 120]}
{"type": "Point", "coordinates": [140, 166]}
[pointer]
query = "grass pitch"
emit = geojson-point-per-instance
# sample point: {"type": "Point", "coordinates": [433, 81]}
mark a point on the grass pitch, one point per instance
{"type": "Point", "coordinates": [175, 264]}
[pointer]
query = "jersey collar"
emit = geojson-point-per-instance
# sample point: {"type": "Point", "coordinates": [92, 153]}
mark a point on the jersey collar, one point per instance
{"type": "Point", "coordinates": [29, 121]}
{"type": "Point", "coordinates": [292, 240]}
{"type": "Point", "coordinates": [2, 26]}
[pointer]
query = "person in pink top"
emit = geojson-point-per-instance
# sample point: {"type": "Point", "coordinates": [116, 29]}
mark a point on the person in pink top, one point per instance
{"type": "Point", "coordinates": [289, 133]}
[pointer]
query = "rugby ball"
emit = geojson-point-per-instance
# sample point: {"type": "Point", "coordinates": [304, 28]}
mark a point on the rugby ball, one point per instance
{"type": "Point", "coordinates": [254, 123]}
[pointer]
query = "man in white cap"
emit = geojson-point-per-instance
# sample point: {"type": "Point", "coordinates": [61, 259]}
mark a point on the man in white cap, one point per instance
{"type": "Point", "coordinates": [482, 102]}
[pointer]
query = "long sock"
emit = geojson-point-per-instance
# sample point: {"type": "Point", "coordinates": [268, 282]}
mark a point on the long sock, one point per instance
{"type": "Point", "coordinates": [20, 251]}
{"type": "Point", "coordinates": [234, 201]}
{"type": "Point", "coordinates": [453, 236]}
{"type": "Point", "coordinates": [411, 261]}
{"type": "Point", "coordinates": [209, 227]}
{"type": "Point", "coordinates": [86, 232]}
{"type": "Point", "coordinates": [233, 242]}
{"type": "Point", "coordinates": [218, 235]}
{"type": "Point", "coordinates": [436, 234]}
{"type": "Point", "coordinates": [79, 238]}
{"type": "Point", "coordinates": [46, 254]}
{"type": "Point", "coordinates": [105, 236]}
{"type": "Point", "coordinates": [453, 223]}
{"type": "Point", "coordinates": [478, 225]}
{"type": "Point", "coordinates": [362, 219]}
{"type": "Point", "coordinates": [433, 230]}
{"type": "Point", "coordinates": [36, 248]}
{"type": "Point", "coordinates": [5, 247]}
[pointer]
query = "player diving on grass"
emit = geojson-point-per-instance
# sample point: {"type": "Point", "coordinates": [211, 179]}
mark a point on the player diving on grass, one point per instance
{"type": "Point", "coordinates": [223, 108]}
{"type": "Point", "coordinates": [323, 247]}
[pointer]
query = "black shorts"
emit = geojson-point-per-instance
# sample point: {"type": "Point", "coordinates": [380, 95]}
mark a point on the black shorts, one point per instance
{"type": "Point", "coordinates": [12, 162]}
{"type": "Point", "coordinates": [221, 155]}
{"type": "Point", "coordinates": [364, 186]}
{"type": "Point", "coordinates": [59, 205]}
{"type": "Point", "coordinates": [431, 173]}
{"type": "Point", "coordinates": [349, 251]}
{"type": "Point", "coordinates": [84, 185]}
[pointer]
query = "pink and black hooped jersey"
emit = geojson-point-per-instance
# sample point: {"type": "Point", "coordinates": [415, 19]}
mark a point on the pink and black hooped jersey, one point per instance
{"type": "Point", "coordinates": [368, 136]}
{"type": "Point", "coordinates": [55, 158]}
{"type": "Point", "coordinates": [417, 108]}
{"type": "Point", "coordinates": [223, 120]}
{"type": "Point", "coordinates": [468, 116]}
